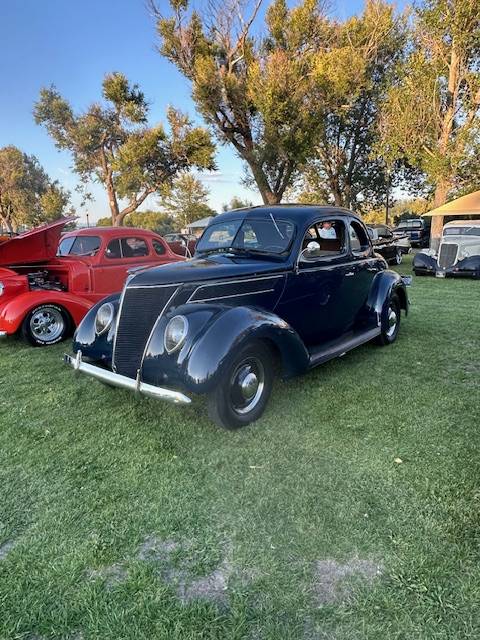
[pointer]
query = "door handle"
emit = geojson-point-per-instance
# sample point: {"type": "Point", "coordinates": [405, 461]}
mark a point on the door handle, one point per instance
{"type": "Point", "coordinates": [349, 274]}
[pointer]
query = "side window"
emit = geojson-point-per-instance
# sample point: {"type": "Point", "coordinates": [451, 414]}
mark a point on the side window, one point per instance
{"type": "Point", "coordinates": [359, 241]}
{"type": "Point", "coordinates": [113, 249]}
{"type": "Point", "coordinates": [134, 247]}
{"type": "Point", "coordinates": [329, 238]}
{"type": "Point", "coordinates": [158, 247]}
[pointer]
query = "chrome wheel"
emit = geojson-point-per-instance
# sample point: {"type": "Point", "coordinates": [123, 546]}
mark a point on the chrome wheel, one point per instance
{"type": "Point", "coordinates": [392, 322]}
{"type": "Point", "coordinates": [47, 324]}
{"type": "Point", "coordinates": [246, 385]}
{"type": "Point", "coordinates": [398, 257]}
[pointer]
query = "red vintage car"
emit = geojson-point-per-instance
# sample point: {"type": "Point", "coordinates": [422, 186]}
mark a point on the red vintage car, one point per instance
{"type": "Point", "coordinates": [48, 281]}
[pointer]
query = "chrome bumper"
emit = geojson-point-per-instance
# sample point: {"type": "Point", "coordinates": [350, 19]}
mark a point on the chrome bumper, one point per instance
{"type": "Point", "coordinates": [3, 334]}
{"type": "Point", "coordinates": [123, 382]}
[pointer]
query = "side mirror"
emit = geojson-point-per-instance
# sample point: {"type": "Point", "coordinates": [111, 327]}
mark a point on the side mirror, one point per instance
{"type": "Point", "coordinates": [312, 247]}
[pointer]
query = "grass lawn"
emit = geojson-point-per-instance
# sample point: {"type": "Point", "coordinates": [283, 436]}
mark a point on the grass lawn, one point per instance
{"type": "Point", "coordinates": [351, 510]}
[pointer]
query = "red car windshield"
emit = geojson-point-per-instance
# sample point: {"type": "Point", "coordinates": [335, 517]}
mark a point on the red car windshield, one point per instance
{"type": "Point", "coordinates": [79, 246]}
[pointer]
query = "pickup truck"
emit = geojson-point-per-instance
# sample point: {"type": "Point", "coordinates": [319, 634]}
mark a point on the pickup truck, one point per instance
{"type": "Point", "coordinates": [48, 281]}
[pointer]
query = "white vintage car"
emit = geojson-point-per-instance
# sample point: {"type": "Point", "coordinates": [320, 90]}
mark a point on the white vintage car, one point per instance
{"type": "Point", "coordinates": [458, 253]}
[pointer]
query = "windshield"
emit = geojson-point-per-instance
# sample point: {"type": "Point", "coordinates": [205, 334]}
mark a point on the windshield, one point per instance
{"type": "Point", "coordinates": [461, 231]}
{"type": "Point", "coordinates": [410, 224]}
{"type": "Point", "coordinates": [79, 246]}
{"type": "Point", "coordinates": [262, 235]}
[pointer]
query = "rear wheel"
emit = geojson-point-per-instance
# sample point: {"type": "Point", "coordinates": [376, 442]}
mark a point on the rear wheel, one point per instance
{"type": "Point", "coordinates": [46, 325]}
{"type": "Point", "coordinates": [390, 321]}
{"type": "Point", "coordinates": [244, 390]}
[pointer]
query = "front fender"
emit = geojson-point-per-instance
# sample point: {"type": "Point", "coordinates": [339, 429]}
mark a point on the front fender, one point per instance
{"type": "Point", "coordinates": [215, 333]}
{"type": "Point", "coordinates": [423, 263]}
{"type": "Point", "coordinates": [385, 284]}
{"type": "Point", "coordinates": [14, 310]}
{"type": "Point", "coordinates": [93, 347]}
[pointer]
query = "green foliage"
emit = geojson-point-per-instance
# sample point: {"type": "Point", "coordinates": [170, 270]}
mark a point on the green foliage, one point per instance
{"type": "Point", "coordinates": [27, 195]}
{"type": "Point", "coordinates": [112, 143]}
{"type": "Point", "coordinates": [236, 203]}
{"type": "Point", "coordinates": [156, 221]}
{"type": "Point", "coordinates": [352, 76]}
{"type": "Point", "coordinates": [257, 92]}
{"type": "Point", "coordinates": [186, 201]}
{"type": "Point", "coordinates": [431, 116]}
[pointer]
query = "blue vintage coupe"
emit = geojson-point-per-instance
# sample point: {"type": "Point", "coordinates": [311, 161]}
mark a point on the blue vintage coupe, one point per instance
{"type": "Point", "coordinates": [270, 289]}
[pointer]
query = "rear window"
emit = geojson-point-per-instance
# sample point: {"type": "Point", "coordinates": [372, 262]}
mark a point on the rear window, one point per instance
{"type": "Point", "coordinates": [461, 231]}
{"type": "Point", "coordinates": [79, 246]}
{"type": "Point", "coordinates": [410, 224]}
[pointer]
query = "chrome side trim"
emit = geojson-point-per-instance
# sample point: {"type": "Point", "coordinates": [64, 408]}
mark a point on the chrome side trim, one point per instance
{"type": "Point", "coordinates": [209, 283]}
{"type": "Point", "coordinates": [123, 382]}
{"type": "Point", "coordinates": [155, 324]}
{"type": "Point", "coordinates": [233, 295]}
{"type": "Point", "coordinates": [336, 265]}
{"type": "Point", "coordinates": [226, 282]}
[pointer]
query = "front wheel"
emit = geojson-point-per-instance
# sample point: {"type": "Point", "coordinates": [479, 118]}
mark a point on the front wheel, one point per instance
{"type": "Point", "coordinates": [244, 389]}
{"type": "Point", "coordinates": [46, 325]}
{"type": "Point", "coordinates": [390, 322]}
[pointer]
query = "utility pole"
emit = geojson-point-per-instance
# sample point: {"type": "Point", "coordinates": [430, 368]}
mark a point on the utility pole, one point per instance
{"type": "Point", "coordinates": [88, 219]}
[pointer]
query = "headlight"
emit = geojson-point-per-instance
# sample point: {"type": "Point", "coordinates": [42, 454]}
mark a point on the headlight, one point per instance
{"type": "Point", "coordinates": [104, 318]}
{"type": "Point", "coordinates": [175, 333]}
{"type": "Point", "coordinates": [2, 288]}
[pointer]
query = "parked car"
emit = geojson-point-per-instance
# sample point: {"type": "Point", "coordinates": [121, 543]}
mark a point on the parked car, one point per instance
{"type": "Point", "coordinates": [402, 241]}
{"type": "Point", "coordinates": [458, 253]}
{"type": "Point", "coordinates": [181, 243]}
{"type": "Point", "coordinates": [385, 243]}
{"type": "Point", "coordinates": [48, 282]}
{"type": "Point", "coordinates": [290, 285]}
{"type": "Point", "coordinates": [417, 230]}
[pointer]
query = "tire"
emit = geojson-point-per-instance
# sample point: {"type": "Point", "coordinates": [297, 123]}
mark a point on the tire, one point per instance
{"type": "Point", "coordinates": [251, 372]}
{"type": "Point", "coordinates": [46, 325]}
{"type": "Point", "coordinates": [390, 324]}
{"type": "Point", "coordinates": [398, 257]}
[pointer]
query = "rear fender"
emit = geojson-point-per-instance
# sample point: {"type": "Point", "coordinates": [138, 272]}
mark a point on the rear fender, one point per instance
{"type": "Point", "coordinates": [13, 312]}
{"type": "Point", "coordinates": [215, 333]}
{"type": "Point", "coordinates": [385, 284]}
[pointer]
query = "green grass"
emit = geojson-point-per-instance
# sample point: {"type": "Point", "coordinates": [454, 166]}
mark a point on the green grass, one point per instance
{"type": "Point", "coordinates": [88, 473]}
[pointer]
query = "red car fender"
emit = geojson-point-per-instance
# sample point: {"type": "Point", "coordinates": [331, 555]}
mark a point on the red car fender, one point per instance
{"type": "Point", "coordinates": [13, 311]}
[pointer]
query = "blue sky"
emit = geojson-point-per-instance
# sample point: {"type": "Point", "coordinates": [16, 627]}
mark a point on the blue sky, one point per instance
{"type": "Point", "coordinates": [72, 44]}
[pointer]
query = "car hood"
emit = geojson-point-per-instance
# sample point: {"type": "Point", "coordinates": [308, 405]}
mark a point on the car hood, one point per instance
{"type": "Point", "coordinates": [209, 268]}
{"type": "Point", "coordinates": [37, 245]}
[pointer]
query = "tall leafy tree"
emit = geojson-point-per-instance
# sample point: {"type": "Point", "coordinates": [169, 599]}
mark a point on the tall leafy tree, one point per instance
{"type": "Point", "coordinates": [113, 144]}
{"type": "Point", "coordinates": [27, 195]}
{"type": "Point", "coordinates": [256, 91]}
{"type": "Point", "coordinates": [157, 221]}
{"type": "Point", "coordinates": [352, 76]}
{"type": "Point", "coordinates": [186, 200]}
{"type": "Point", "coordinates": [432, 115]}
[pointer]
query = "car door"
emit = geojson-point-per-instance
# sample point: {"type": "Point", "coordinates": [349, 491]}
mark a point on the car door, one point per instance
{"type": "Point", "coordinates": [362, 267]}
{"type": "Point", "coordinates": [120, 254]}
{"type": "Point", "coordinates": [313, 302]}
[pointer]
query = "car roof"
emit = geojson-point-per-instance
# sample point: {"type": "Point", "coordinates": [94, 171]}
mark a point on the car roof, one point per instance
{"type": "Point", "coordinates": [110, 231]}
{"type": "Point", "coordinates": [462, 223]}
{"type": "Point", "coordinates": [298, 213]}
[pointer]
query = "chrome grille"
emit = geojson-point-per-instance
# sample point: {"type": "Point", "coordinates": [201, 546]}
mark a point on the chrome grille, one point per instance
{"type": "Point", "coordinates": [447, 255]}
{"type": "Point", "coordinates": [140, 310]}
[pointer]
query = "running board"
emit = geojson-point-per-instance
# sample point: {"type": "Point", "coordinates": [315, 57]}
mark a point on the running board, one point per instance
{"type": "Point", "coordinates": [337, 348]}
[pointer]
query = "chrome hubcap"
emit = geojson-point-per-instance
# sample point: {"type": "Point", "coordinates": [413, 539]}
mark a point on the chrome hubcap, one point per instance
{"type": "Point", "coordinates": [47, 324]}
{"type": "Point", "coordinates": [247, 384]}
{"type": "Point", "coordinates": [392, 322]}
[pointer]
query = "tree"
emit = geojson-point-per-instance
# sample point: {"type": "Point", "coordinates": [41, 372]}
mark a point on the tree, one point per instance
{"type": "Point", "coordinates": [352, 77]}
{"type": "Point", "coordinates": [236, 203]}
{"type": "Point", "coordinates": [156, 221]}
{"type": "Point", "coordinates": [27, 195]}
{"type": "Point", "coordinates": [186, 201]}
{"type": "Point", "coordinates": [431, 116]}
{"type": "Point", "coordinates": [256, 92]}
{"type": "Point", "coordinates": [113, 144]}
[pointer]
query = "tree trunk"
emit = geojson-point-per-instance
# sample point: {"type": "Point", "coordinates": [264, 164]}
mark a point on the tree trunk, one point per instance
{"type": "Point", "coordinates": [441, 192]}
{"type": "Point", "coordinates": [7, 223]}
{"type": "Point", "coordinates": [268, 195]}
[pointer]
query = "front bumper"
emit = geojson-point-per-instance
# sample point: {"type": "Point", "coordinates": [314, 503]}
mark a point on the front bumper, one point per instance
{"type": "Point", "coordinates": [117, 380]}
